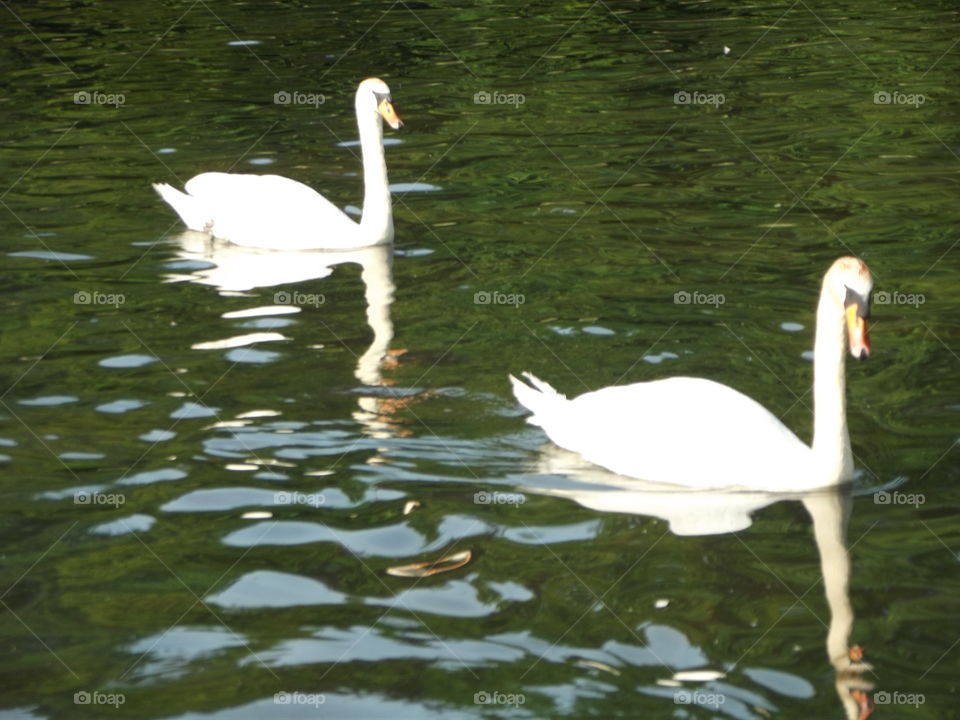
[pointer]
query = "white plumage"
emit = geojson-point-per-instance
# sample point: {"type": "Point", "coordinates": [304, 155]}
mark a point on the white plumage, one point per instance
{"type": "Point", "coordinates": [274, 212]}
{"type": "Point", "coordinates": [702, 434]}
{"type": "Point", "coordinates": [674, 430]}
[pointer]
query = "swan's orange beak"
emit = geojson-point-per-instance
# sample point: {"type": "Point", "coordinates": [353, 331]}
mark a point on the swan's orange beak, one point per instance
{"type": "Point", "coordinates": [389, 113]}
{"type": "Point", "coordinates": [857, 331]}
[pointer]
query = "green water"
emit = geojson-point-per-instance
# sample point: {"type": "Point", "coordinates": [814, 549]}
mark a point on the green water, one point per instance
{"type": "Point", "coordinates": [595, 200]}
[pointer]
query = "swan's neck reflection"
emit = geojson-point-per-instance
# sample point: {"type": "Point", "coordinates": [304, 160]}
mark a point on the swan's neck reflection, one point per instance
{"type": "Point", "coordinates": [830, 511]}
{"type": "Point", "coordinates": [377, 276]}
{"type": "Point", "coordinates": [692, 512]}
{"type": "Point", "coordinates": [235, 270]}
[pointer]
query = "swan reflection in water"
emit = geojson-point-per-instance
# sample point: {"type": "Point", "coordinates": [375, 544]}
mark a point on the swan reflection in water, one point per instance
{"type": "Point", "coordinates": [690, 512]}
{"type": "Point", "coordinates": [235, 270]}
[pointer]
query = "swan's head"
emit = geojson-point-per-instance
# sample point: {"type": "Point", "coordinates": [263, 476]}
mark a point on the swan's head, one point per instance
{"type": "Point", "coordinates": [849, 283]}
{"type": "Point", "coordinates": [373, 96]}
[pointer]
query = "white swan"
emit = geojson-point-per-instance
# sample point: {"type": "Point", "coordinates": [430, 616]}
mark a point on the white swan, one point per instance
{"type": "Point", "coordinates": [699, 433]}
{"type": "Point", "coordinates": [274, 212]}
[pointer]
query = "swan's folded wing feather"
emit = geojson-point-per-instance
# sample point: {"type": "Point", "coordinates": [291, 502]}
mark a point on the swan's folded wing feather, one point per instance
{"type": "Point", "coordinates": [688, 431]}
{"type": "Point", "coordinates": [259, 207]}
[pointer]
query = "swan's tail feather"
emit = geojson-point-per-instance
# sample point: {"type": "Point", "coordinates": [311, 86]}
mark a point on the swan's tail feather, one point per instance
{"type": "Point", "coordinates": [541, 399]}
{"type": "Point", "coordinates": [187, 207]}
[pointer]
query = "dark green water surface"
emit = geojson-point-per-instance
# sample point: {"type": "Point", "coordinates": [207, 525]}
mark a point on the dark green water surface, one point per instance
{"type": "Point", "coordinates": [556, 199]}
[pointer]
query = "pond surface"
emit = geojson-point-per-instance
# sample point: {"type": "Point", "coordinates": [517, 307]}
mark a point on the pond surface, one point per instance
{"type": "Point", "coordinates": [210, 464]}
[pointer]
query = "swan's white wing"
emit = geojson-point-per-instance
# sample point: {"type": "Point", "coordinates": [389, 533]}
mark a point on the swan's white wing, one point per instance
{"type": "Point", "coordinates": [687, 431]}
{"type": "Point", "coordinates": [269, 211]}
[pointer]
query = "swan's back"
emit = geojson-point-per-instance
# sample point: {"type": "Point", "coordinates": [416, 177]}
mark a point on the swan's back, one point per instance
{"type": "Point", "coordinates": [686, 431]}
{"type": "Point", "coordinates": [253, 209]}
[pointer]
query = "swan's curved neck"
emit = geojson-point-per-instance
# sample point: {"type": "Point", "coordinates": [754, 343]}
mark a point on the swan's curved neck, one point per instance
{"type": "Point", "coordinates": [377, 219]}
{"type": "Point", "coordinates": [831, 441]}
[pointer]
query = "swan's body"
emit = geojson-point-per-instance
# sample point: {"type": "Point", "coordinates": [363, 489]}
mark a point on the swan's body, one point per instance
{"type": "Point", "coordinates": [671, 430]}
{"type": "Point", "coordinates": [274, 212]}
{"type": "Point", "coordinates": [699, 433]}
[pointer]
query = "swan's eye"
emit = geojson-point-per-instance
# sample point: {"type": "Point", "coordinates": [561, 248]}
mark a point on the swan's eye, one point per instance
{"type": "Point", "coordinates": [862, 303]}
